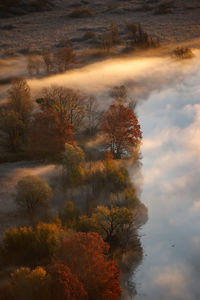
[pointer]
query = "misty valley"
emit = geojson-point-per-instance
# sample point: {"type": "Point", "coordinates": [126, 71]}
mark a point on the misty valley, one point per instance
{"type": "Point", "coordinates": [99, 150]}
{"type": "Point", "coordinates": [167, 166]}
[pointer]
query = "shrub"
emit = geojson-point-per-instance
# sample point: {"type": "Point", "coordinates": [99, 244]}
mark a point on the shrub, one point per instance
{"type": "Point", "coordinates": [183, 53]}
{"type": "Point", "coordinates": [81, 13]}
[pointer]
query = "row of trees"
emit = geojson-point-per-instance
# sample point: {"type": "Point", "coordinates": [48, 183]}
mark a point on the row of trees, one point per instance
{"type": "Point", "coordinates": [62, 112]}
{"type": "Point", "coordinates": [63, 57]}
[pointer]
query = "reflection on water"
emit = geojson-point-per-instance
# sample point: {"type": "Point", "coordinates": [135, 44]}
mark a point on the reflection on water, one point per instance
{"type": "Point", "coordinates": [170, 122]}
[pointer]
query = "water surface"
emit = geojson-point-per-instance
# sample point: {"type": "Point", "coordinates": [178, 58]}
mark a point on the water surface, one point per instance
{"type": "Point", "coordinates": [170, 121]}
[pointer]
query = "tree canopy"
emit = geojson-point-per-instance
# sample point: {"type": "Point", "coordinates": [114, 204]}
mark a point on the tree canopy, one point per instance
{"type": "Point", "coordinates": [122, 130]}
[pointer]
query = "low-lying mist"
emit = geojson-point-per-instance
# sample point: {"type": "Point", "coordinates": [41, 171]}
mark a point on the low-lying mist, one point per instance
{"type": "Point", "coordinates": [141, 75]}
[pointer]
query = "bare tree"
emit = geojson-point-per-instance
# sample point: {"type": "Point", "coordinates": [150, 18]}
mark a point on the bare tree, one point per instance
{"type": "Point", "coordinates": [106, 41]}
{"type": "Point", "coordinates": [68, 103]}
{"type": "Point", "coordinates": [63, 58]}
{"type": "Point", "coordinates": [34, 64]}
{"type": "Point", "coordinates": [92, 115]}
{"type": "Point", "coordinates": [20, 99]}
{"type": "Point", "coordinates": [47, 59]}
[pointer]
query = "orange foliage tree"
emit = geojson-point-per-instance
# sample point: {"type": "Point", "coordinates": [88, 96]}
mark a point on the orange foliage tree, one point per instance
{"type": "Point", "coordinates": [122, 130]}
{"type": "Point", "coordinates": [84, 254]}
{"type": "Point", "coordinates": [64, 285]}
{"type": "Point", "coordinates": [48, 134]}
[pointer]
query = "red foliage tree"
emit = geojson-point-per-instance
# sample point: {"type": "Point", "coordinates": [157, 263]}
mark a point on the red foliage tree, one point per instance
{"type": "Point", "coordinates": [121, 128]}
{"type": "Point", "coordinates": [84, 254]}
{"type": "Point", "coordinates": [64, 285]}
{"type": "Point", "coordinates": [48, 134]}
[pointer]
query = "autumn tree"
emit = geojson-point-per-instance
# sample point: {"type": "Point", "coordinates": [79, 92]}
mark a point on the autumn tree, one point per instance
{"type": "Point", "coordinates": [73, 159]}
{"type": "Point", "coordinates": [122, 130]}
{"type": "Point", "coordinates": [55, 282]}
{"type": "Point", "coordinates": [64, 57]}
{"type": "Point", "coordinates": [107, 41]}
{"type": "Point", "coordinates": [114, 32]}
{"type": "Point", "coordinates": [34, 64]}
{"type": "Point", "coordinates": [33, 194]}
{"type": "Point", "coordinates": [13, 126]}
{"type": "Point", "coordinates": [109, 179]}
{"type": "Point", "coordinates": [48, 134]}
{"type": "Point", "coordinates": [86, 224]}
{"type": "Point", "coordinates": [113, 222]}
{"type": "Point", "coordinates": [64, 285]}
{"type": "Point", "coordinates": [47, 60]}
{"type": "Point", "coordinates": [28, 284]}
{"type": "Point", "coordinates": [69, 215]}
{"type": "Point", "coordinates": [20, 99]}
{"type": "Point", "coordinates": [85, 255]}
{"type": "Point", "coordinates": [119, 94]}
{"type": "Point", "coordinates": [29, 247]}
{"type": "Point", "coordinates": [67, 103]}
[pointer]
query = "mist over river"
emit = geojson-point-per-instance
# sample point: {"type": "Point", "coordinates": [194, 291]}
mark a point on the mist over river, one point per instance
{"type": "Point", "coordinates": [168, 95]}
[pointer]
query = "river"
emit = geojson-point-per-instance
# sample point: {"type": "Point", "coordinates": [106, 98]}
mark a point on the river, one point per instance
{"type": "Point", "coordinates": [170, 121]}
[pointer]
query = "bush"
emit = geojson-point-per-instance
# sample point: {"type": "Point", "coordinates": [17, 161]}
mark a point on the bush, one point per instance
{"type": "Point", "coordinates": [183, 53]}
{"type": "Point", "coordinates": [81, 13]}
{"type": "Point", "coordinates": [25, 246]}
